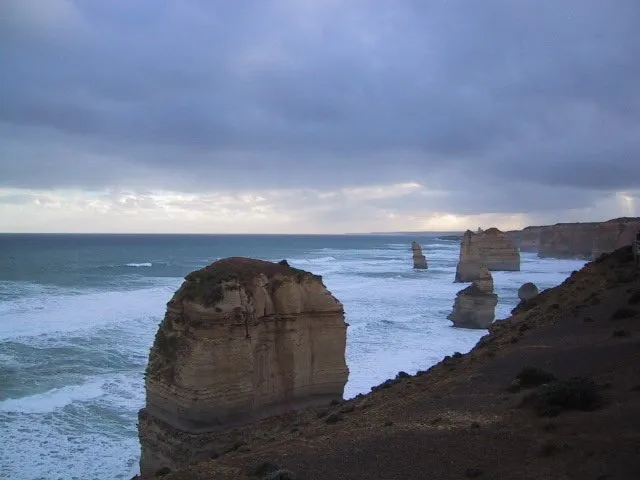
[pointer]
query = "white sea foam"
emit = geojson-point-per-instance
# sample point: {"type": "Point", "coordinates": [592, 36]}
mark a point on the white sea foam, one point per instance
{"type": "Point", "coordinates": [37, 447]}
{"type": "Point", "coordinates": [138, 265]}
{"type": "Point", "coordinates": [313, 260]}
{"type": "Point", "coordinates": [44, 315]}
{"type": "Point", "coordinates": [53, 399]}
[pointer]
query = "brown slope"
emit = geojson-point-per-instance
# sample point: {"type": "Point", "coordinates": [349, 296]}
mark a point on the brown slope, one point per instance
{"type": "Point", "coordinates": [458, 420]}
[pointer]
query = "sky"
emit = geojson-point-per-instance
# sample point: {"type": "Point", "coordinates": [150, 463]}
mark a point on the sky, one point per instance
{"type": "Point", "coordinates": [317, 116]}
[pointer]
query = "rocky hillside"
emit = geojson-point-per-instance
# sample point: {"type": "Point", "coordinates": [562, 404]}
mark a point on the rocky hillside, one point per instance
{"type": "Point", "coordinates": [553, 392]}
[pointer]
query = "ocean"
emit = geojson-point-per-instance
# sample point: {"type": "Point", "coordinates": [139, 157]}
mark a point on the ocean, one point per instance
{"type": "Point", "coordinates": [78, 314]}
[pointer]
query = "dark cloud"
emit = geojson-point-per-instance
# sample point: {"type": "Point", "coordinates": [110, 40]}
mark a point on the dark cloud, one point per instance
{"type": "Point", "coordinates": [465, 97]}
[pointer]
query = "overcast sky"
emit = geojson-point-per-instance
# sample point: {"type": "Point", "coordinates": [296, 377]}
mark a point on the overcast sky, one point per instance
{"type": "Point", "coordinates": [317, 116]}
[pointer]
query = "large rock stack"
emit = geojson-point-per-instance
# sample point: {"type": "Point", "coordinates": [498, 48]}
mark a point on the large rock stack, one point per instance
{"type": "Point", "coordinates": [241, 340]}
{"type": "Point", "coordinates": [490, 248]}
{"type": "Point", "coordinates": [475, 306]}
{"type": "Point", "coordinates": [419, 261]}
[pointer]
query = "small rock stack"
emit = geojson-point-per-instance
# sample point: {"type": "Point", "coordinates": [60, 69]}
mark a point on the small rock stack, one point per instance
{"type": "Point", "coordinates": [419, 261]}
{"type": "Point", "coordinates": [475, 306]}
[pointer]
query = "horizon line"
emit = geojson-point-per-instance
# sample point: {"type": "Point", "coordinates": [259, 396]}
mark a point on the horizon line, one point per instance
{"type": "Point", "coordinates": [404, 232]}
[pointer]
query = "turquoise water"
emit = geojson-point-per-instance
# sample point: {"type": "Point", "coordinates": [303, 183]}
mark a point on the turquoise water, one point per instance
{"type": "Point", "coordinates": [78, 314]}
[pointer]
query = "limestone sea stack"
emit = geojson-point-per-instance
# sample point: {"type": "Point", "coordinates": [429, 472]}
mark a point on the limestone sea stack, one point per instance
{"type": "Point", "coordinates": [241, 340]}
{"type": "Point", "coordinates": [490, 248]}
{"type": "Point", "coordinates": [419, 261]}
{"type": "Point", "coordinates": [475, 306]}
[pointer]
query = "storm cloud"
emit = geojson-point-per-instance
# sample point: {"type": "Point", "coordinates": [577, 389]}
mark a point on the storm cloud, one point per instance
{"type": "Point", "coordinates": [490, 107]}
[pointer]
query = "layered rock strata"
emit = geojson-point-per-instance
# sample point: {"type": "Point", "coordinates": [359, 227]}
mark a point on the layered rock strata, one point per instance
{"type": "Point", "coordinates": [241, 340]}
{"type": "Point", "coordinates": [485, 280]}
{"type": "Point", "coordinates": [578, 240]}
{"type": "Point", "coordinates": [527, 239]}
{"type": "Point", "coordinates": [490, 248]}
{"type": "Point", "coordinates": [475, 306]}
{"type": "Point", "coordinates": [419, 261]}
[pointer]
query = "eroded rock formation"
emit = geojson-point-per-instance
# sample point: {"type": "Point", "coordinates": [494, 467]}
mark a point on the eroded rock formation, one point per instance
{"type": "Point", "coordinates": [419, 261]}
{"type": "Point", "coordinates": [527, 291]}
{"type": "Point", "coordinates": [241, 340]}
{"type": "Point", "coordinates": [475, 306]}
{"type": "Point", "coordinates": [485, 280]}
{"type": "Point", "coordinates": [490, 248]}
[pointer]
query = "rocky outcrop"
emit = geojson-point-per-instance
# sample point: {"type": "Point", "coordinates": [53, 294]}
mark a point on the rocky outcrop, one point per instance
{"type": "Point", "coordinates": [419, 261]}
{"type": "Point", "coordinates": [468, 268]}
{"type": "Point", "coordinates": [484, 281]}
{"type": "Point", "coordinates": [475, 306]}
{"type": "Point", "coordinates": [241, 340]}
{"type": "Point", "coordinates": [527, 291]}
{"type": "Point", "coordinates": [490, 248]}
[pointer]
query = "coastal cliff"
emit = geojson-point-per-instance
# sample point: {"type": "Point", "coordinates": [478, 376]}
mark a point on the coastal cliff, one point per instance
{"type": "Point", "coordinates": [490, 248]}
{"type": "Point", "coordinates": [527, 239]}
{"type": "Point", "coordinates": [578, 240]}
{"type": "Point", "coordinates": [551, 392]}
{"type": "Point", "coordinates": [241, 340]}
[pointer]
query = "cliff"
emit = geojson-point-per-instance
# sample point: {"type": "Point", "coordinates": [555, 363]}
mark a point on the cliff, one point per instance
{"type": "Point", "coordinates": [475, 305]}
{"type": "Point", "coordinates": [578, 240]}
{"type": "Point", "coordinates": [490, 248]}
{"type": "Point", "coordinates": [419, 261]}
{"type": "Point", "coordinates": [552, 392]}
{"type": "Point", "coordinates": [527, 239]}
{"type": "Point", "coordinates": [241, 340]}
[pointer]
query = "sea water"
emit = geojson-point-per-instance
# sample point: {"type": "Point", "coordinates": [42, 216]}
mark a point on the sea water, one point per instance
{"type": "Point", "coordinates": [78, 314]}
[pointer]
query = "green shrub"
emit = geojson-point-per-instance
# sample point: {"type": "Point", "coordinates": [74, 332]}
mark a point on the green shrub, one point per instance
{"type": "Point", "coordinates": [529, 377]}
{"type": "Point", "coordinates": [263, 469]}
{"type": "Point", "coordinates": [282, 474]}
{"type": "Point", "coordinates": [533, 376]}
{"type": "Point", "coordinates": [624, 313]}
{"type": "Point", "coordinates": [576, 393]}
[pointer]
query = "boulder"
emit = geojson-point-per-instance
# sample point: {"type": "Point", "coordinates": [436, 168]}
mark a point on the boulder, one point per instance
{"type": "Point", "coordinates": [527, 291]}
{"type": "Point", "coordinates": [475, 305]}
{"type": "Point", "coordinates": [241, 340]}
{"type": "Point", "coordinates": [490, 248]}
{"type": "Point", "coordinates": [419, 261]}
